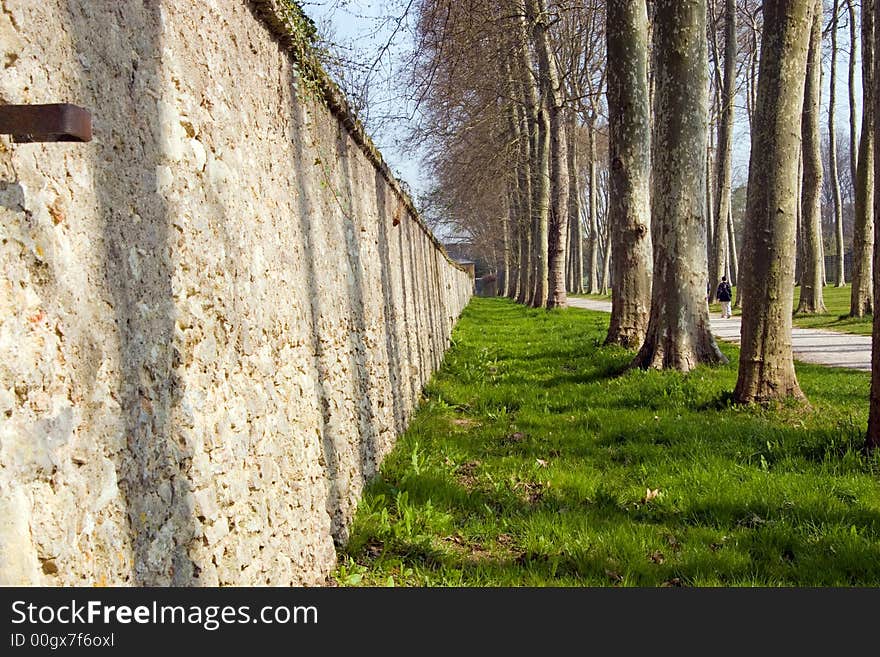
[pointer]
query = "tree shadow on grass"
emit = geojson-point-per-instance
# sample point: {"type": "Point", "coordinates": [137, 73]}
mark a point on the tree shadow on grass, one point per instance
{"type": "Point", "coordinates": [737, 542]}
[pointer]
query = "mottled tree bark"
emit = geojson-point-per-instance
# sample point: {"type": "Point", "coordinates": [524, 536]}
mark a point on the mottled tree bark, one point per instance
{"type": "Point", "coordinates": [799, 238]}
{"type": "Point", "coordinates": [630, 171]}
{"type": "Point", "coordinates": [606, 268]}
{"type": "Point", "coordinates": [514, 196]}
{"type": "Point", "coordinates": [576, 242]}
{"type": "Point", "coordinates": [710, 214]}
{"type": "Point", "coordinates": [593, 240]}
{"type": "Point", "coordinates": [811, 298]}
{"type": "Point", "coordinates": [766, 367]}
{"type": "Point", "coordinates": [537, 160]}
{"type": "Point", "coordinates": [527, 265]}
{"type": "Point", "coordinates": [720, 252]}
{"type": "Point", "coordinates": [558, 225]}
{"type": "Point", "coordinates": [541, 207]}
{"type": "Point", "coordinates": [557, 165]}
{"type": "Point", "coordinates": [503, 289]}
{"type": "Point", "coordinates": [734, 263]}
{"type": "Point", "coordinates": [853, 49]}
{"type": "Point", "coordinates": [678, 334]}
{"type": "Point", "coordinates": [863, 229]}
{"type": "Point", "coordinates": [839, 274]}
{"type": "Point", "coordinates": [873, 438]}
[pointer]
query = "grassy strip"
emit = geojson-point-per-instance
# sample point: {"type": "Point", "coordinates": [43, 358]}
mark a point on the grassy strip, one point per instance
{"type": "Point", "coordinates": [535, 459]}
{"type": "Point", "coordinates": [835, 319]}
{"type": "Point", "coordinates": [837, 300]}
{"type": "Point", "coordinates": [597, 297]}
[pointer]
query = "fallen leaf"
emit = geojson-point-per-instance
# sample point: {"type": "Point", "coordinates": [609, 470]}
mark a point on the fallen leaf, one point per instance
{"type": "Point", "coordinates": [673, 542]}
{"type": "Point", "coordinates": [650, 495]}
{"type": "Point", "coordinates": [541, 462]}
{"type": "Point", "coordinates": [657, 557]}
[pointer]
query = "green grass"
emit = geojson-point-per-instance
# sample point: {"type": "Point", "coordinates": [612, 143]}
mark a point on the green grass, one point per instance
{"type": "Point", "coordinates": [599, 297]}
{"type": "Point", "coordinates": [837, 301]}
{"type": "Point", "coordinates": [835, 319]}
{"type": "Point", "coordinates": [534, 459]}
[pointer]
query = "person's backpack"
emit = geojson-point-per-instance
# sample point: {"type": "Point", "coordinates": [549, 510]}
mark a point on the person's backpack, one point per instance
{"type": "Point", "coordinates": [724, 291]}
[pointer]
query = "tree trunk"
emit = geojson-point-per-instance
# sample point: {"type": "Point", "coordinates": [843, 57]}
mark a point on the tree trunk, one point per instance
{"type": "Point", "coordinates": [710, 212]}
{"type": "Point", "coordinates": [511, 290]}
{"type": "Point", "coordinates": [734, 263]}
{"type": "Point", "coordinates": [720, 258]}
{"type": "Point", "coordinates": [873, 91]}
{"type": "Point", "coordinates": [539, 167]}
{"type": "Point", "coordinates": [558, 228]}
{"type": "Point", "coordinates": [593, 240]}
{"type": "Point", "coordinates": [512, 243]}
{"type": "Point", "coordinates": [799, 238]}
{"type": "Point", "coordinates": [630, 171]}
{"type": "Point", "coordinates": [766, 367]}
{"type": "Point", "coordinates": [526, 264]}
{"type": "Point", "coordinates": [527, 276]}
{"type": "Point", "coordinates": [541, 207]}
{"type": "Point", "coordinates": [576, 245]}
{"type": "Point", "coordinates": [557, 165]}
{"type": "Point", "coordinates": [506, 222]}
{"type": "Point", "coordinates": [606, 268]}
{"type": "Point", "coordinates": [863, 228]}
{"type": "Point", "coordinates": [678, 334]}
{"type": "Point", "coordinates": [853, 132]}
{"type": "Point", "coordinates": [811, 300]}
{"type": "Point", "coordinates": [839, 274]}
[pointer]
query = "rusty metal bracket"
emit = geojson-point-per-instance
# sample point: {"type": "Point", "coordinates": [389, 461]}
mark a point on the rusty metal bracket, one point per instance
{"type": "Point", "coordinates": [46, 123]}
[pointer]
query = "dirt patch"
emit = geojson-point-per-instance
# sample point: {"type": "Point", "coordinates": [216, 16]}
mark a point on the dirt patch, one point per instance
{"type": "Point", "coordinates": [466, 474]}
{"type": "Point", "coordinates": [463, 423]}
{"type": "Point", "coordinates": [531, 492]}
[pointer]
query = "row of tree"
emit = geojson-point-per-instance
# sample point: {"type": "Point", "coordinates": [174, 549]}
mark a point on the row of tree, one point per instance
{"type": "Point", "coordinates": [519, 96]}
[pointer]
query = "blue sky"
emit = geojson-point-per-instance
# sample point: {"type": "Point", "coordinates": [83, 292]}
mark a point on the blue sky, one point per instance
{"type": "Point", "coordinates": [365, 24]}
{"type": "Point", "coordinates": [361, 22]}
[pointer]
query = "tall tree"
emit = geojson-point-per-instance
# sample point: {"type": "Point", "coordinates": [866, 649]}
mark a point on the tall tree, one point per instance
{"type": "Point", "coordinates": [863, 229]}
{"type": "Point", "coordinates": [839, 274]}
{"type": "Point", "coordinates": [575, 232]}
{"type": "Point", "coordinates": [630, 140]}
{"type": "Point", "coordinates": [853, 49]}
{"type": "Point", "coordinates": [811, 297]}
{"type": "Point", "coordinates": [873, 438]}
{"type": "Point", "coordinates": [766, 368]}
{"type": "Point", "coordinates": [678, 334]}
{"type": "Point", "coordinates": [513, 241]}
{"type": "Point", "coordinates": [720, 263]}
{"type": "Point", "coordinates": [557, 166]}
{"type": "Point", "coordinates": [592, 182]}
{"type": "Point", "coordinates": [734, 263]}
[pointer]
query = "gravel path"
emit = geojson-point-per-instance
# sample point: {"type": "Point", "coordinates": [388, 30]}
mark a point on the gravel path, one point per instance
{"type": "Point", "coordinates": [809, 345]}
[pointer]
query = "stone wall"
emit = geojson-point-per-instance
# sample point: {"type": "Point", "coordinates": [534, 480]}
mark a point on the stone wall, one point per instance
{"type": "Point", "coordinates": [215, 317]}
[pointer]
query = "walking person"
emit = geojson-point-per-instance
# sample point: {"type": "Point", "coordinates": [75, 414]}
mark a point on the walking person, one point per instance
{"type": "Point", "coordinates": [724, 295]}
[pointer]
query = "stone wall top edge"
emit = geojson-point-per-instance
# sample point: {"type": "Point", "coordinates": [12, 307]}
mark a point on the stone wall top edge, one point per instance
{"type": "Point", "coordinates": [273, 17]}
